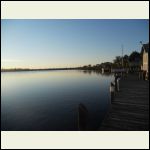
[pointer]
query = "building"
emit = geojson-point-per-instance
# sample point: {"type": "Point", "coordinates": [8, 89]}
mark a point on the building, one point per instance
{"type": "Point", "coordinates": [145, 61]}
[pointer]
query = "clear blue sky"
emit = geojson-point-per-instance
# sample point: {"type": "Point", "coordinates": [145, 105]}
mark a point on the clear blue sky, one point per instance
{"type": "Point", "coordinates": [68, 43]}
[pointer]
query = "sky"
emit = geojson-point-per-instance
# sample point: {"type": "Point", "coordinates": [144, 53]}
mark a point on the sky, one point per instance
{"type": "Point", "coordinates": [57, 43]}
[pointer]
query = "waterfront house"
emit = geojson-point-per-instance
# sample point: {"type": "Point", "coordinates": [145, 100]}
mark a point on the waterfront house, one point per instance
{"type": "Point", "coordinates": [145, 54]}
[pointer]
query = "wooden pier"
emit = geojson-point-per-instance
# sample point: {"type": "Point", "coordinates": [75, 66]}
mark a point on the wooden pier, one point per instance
{"type": "Point", "coordinates": [129, 110]}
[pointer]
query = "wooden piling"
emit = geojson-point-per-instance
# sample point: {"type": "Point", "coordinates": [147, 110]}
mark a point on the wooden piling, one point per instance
{"type": "Point", "coordinates": [118, 79]}
{"type": "Point", "coordinates": [112, 91]}
{"type": "Point", "coordinates": [147, 75]}
{"type": "Point", "coordinates": [144, 75]}
{"type": "Point", "coordinates": [116, 88]}
{"type": "Point", "coordinates": [82, 117]}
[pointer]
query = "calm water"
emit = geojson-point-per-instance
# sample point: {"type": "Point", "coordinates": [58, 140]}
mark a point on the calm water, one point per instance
{"type": "Point", "coordinates": [48, 100]}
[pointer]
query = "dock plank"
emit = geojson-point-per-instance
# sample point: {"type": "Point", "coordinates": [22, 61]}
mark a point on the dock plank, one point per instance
{"type": "Point", "coordinates": [129, 111]}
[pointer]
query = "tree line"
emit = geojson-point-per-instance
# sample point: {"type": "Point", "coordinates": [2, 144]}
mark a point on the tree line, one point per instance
{"type": "Point", "coordinates": [132, 61]}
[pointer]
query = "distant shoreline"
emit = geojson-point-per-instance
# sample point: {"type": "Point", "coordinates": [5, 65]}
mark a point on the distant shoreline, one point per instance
{"type": "Point", "coordinates": [19, 70]}
{"type": "Point", "coordinates": [52, 69]}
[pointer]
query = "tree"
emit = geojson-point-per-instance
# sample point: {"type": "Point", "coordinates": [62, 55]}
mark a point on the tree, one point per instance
{"type": "Point", "coordinates": [135, 57]}
{"type": "Point", "coordinates": [135, 61]}
{"type": "Point", "coordinates": [118, 61]}
{"type": "Point", "coordinates": [126, 61]}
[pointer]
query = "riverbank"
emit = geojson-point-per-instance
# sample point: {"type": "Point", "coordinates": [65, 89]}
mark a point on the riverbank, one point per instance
{"type": "Point", "coordinates": [129, 110]}
{"type": "Point", "coordinates": [46, 69]}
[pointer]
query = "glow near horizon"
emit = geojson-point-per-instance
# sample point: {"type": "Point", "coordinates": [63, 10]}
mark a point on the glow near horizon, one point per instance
{"type": "Point", "coordinates": [68, 43]}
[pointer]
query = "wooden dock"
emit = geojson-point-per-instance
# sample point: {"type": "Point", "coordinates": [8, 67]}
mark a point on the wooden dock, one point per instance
{"type": "Point", "coordinates": [129, 111]}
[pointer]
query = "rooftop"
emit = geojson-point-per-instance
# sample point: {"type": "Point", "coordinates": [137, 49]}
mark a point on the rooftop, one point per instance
{"type": "Point", "coordinates": [145, 47]}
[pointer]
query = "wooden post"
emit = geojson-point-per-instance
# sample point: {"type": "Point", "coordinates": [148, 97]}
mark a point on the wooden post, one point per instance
{"type": "Point", "coordinates": [147, 76]}
{"type": "Point", "coordinates": [139, 75]}
{"type": "Point", "coordinates": [82, 117]}
{"type": "Point", "coordinates": [116, 88]}
{"type": "Point", "coordinates": [118, 79]}
{"type": "Point", "coordinates": [112, 91]}
{"type": "Point", "coordinates": [144, 75]}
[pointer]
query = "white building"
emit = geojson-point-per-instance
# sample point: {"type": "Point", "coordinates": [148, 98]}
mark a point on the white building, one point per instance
{"type": "Point", "coordinates": [145, 63]}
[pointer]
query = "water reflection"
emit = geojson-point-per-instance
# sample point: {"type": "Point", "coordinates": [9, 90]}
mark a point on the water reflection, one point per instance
{"type": "Point", "coordinates": [48, 100]}
{"type": "Point", "coordinates": [96, 72]}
